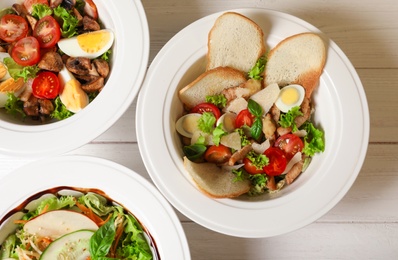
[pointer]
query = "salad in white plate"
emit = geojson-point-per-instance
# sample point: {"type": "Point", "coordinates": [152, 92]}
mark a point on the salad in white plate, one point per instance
{"type": "Point", "coordinates": [79, 224]}
{"type": "Point", "coordinates": [251, 132]}
{"type": "Point", "coordinates": [54, 58]}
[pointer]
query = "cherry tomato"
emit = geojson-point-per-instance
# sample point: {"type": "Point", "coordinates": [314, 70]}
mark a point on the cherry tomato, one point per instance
{"type": "Point", "coordinates": [46, 85]}
{"type": "Point", "coordinates": [13, 28]}
{"type": "Point", "coordinates": [244, 118]}
{"type": "Point", "coordinates": [207, 107]}
{"type": "Point", "coordinates": [26, 51]}
{"type": "Point", "coordinates": [250, 168]}
{"type": "Point", "coordinates": [277, 161]}
{"type": "Point", "coordinates": [47, 32]}
{"type": "Point", "coordinates": [218, 154]}
{"type": "Point", "coordinates": [289, 143]}
{"type": "Point", "coordinates": [29, 4]}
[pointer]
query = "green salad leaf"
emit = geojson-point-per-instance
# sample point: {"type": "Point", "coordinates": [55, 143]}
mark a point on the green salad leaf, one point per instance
{"type": "Point", "coordinates": [256, 110]}
{"type": "Point", "coordinates": [217, 100]}
{"type": "Point", "coordinates": [60, 111]}
{"type": "Point", "coordinates": [218, 132]}
{"type": "Point", "coordinates": [14, 106]}
{"type": "Point", "coordinates": [96, 203]}
{"type": "Point", "coordinates": [41, 10]}
{"type": "Point", "coordinates": [194, 152]}
{"type": "Point", "coordinates": [258, 160]}
{"type": "Point", "coordinates": [206, 122]}
{"type": "Point", "coordinates": [258, 69]}
{"type": "Point", "coordinates": [102, 239]}
{"type": "Point", "coordinates": [313, 141]}
{"type": "Point", "coordinates": [287, 120]}
{"type": "Point", "coordinates": [17, 71]}
{"type": "Point", "coordinates": [67, 21]}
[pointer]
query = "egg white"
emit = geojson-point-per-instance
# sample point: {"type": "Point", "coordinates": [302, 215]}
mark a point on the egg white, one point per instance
{"type": "Point", "coordinates": [71, 47]}
{"type": "Point", "coordinates": [284, 107]}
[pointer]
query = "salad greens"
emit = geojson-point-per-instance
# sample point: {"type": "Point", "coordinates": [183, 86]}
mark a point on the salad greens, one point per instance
{"type": "Point", "coordinates": [119, 236]}
{"type": "Point", "coordinates": [69, 21]}
{"type": "Point", "coordinates": [17, 71]}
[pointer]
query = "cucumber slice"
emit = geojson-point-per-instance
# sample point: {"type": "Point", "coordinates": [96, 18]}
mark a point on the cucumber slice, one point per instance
{"type": "Point", "coordinates": [72, 246]}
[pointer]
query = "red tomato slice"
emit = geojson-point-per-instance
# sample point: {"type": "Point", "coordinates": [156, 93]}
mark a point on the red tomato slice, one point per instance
{"type": "Point", "coordinates": [289, 143]}
{"type": "Point", "coordinates": [13, 28]}
{"type": "Point", "coordinates": [244, 118]}
{"type": "Point", "coordinates": [277, 161]}
{"type": "Point", "coordinates": [26, 51]}
{"type": "Point", "coordinates": [218, 154]}
{"type": "Point", "coordinates": [45, 85]}
{"type": "Point", "coordinates": [250, 168]}
{"type": "Point", "coordinates": [29, 4]}
{"type": "Point", "coordinates": [47, 32]}
{"type": "Point", "coordinates": [91, 9]}
{"type": "Point", "coordinates": [207, 107]}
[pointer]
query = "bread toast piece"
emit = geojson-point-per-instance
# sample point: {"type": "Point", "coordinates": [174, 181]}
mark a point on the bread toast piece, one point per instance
{"type": "Point", "coordinates": [235, 41]}
{"type": "Point", "coordinates": [214, 181]}
{"type": "Point", "coordinates": [211, 82]}
{"type": "Point", "coordinates": [298, 59]}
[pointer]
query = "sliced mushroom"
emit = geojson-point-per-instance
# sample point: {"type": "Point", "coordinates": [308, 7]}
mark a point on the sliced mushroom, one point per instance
{"type": "Point", "coordinates": [78, 16]}
{"type": "Point", "coordinates": [94, 86]}
{"type": "Point", "coordinates": [32, 21]}
{"type": "Point", "coordinates": [84, 79]}
{"type": "Point", "coordinates": [51, 61]}
{"type": "Point", "coordinates": [20, 10]}
{"type": "Point", "coordinates": [31, 106]}
{"type": "Point", "coordinates": [89, 24]}
{"type": "Point", "coordinates": [55, 3]}
{"type": "Point", "coordinates": [79, 65]}
{"type": "Point", "coordinates": [46, 107]}
{"type": "Point", "coordinates": [102, 67]}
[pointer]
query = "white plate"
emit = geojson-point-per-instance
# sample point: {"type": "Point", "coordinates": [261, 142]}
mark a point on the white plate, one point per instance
{"type": "Point", "coordinates": [341, 111]}
{"type": "Point", "coordinates": [122, 185]}
{"type": "Point", "coordinates": [129, 63]}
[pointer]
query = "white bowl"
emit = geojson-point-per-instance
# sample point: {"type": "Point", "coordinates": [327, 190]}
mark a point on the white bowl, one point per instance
{"type": "Point", "coordinates": [128, 66]}
{"type": "Point", "coordinates": [120, 184]}
{"type": "Point", "coordinates": [341, 111]}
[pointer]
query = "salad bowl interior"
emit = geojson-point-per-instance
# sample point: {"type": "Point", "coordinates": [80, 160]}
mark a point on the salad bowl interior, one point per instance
{"type": "Point", "coordinates": [341, 112]}
{"type": "Point", "coordinates": [127, 64]}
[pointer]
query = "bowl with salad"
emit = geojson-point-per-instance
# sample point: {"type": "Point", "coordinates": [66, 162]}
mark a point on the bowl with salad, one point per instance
{"type": "Point", "coordinates": [243, 157]}
{"type": "Point", "coordinates": [64, 72]}
{"type": "Point", "coordinates": [82, 215]}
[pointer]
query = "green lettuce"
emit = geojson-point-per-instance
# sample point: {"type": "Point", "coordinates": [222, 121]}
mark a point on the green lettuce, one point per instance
{"type": "Point", "coordinates": [258, 69]}
{"type": "Point", "coordinates": [41, 10]}
{"type": "Point", "coordinates": [67, 21]}
{"type": "Point", "coordinates": [96, 203]}
{"type": "Point", "coordinates": [60, 111]}
{"type": "Point", "coordinates": [17, 71]}
{"type": "Point", "coordinates": [206, 122]}
{"type": "Point", "coordinates": [287, 120]}
{"type": "Point", "coordinates": [313, 141]}
{"type": "Point", "coordinates": [14, 106]}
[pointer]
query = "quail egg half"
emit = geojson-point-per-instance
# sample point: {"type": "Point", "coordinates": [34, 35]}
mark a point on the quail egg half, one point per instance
{"type": "Point", "coordinates": [289, 97]}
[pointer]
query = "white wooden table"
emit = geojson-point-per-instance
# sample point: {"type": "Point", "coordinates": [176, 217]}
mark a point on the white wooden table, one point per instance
{"type": "Point", "coordinates": [364, 225]}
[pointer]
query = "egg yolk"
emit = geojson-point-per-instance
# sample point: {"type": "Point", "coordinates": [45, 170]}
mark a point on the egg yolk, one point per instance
{"type": "Point", "coordinates": [93, 41]}
{"type": "Point", "coordinates": [290, 96]}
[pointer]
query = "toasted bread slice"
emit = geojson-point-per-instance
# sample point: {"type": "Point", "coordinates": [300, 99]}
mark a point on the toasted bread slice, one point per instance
{"type": "Point", "coordinates": [214, 181]}
{"type": "Point", "coordinates": [234, 41]}
{"type": "Point", "coordinates": [211, 82]}
{"type": "Point", "coordinates": [298, 59]}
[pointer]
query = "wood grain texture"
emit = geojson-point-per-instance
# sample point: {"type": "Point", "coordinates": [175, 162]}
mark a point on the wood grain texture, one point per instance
{"type": "Point", "coordinates": [364, 224]}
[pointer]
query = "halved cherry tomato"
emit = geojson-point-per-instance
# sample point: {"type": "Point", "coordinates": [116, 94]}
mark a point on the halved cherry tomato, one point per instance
{"type": "Point", "coordinates": [277, 161]}
{"type": "Point", "coordinates": [26, 51]}
{"type": "Point", "coordinates": [250, 167]}
{"type": "Point", "coordinates": [218, 154]}
{"type": "Point", "coordinates": [289, 143]}
{"type": "Point", "coordinates": [244, 118]}
{"type": "Point", "coordinates": [29, 4]}
{"type": "Point", "coordinates": [47, 32]}
{"type": "Point", "coordinates": [45, 85]}
{"type": "Point", "coordinates": [13, 28]}
{"type": "Point", "coordinates": [207, 107]}
{"type": "Point", "coordinates": [91, 9]}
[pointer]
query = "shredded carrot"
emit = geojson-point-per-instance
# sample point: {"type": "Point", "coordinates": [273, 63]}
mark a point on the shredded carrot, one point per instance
{"type": "Point", "coordinates": [119, 232]}
{"type": "Point", "coordinates": [20, 221]}
{"type": "Point", "coordinates": [45, 209]}
{"type": "Point", "coordinates": [90, 214]}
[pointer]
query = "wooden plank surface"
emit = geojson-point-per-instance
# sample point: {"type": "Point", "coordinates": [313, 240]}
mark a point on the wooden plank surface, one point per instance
{"type": "Point", "coordinates": [364, 225]}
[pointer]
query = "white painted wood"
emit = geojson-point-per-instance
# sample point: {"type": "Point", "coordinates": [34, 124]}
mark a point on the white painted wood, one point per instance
{"type": "Point", "coordinates": [364, 225]}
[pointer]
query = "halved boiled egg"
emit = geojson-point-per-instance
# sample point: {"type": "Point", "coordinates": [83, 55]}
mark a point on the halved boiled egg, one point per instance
{"type": "Point", "coordinates": [188, 124]}
{"type": "Point", "coordinates": [289, 97]}
{"type": "Point", "coordinates": [72, 95]}
{"type": "Point", "coordinates": [89, 45]}
{"type": "Point", "coordinates": [228, 121]}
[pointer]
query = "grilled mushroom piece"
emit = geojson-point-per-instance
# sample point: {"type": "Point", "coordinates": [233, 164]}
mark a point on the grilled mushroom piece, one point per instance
{"type": "Point", "coordinates": [20, 10]}
{"type": "Point", "coordinates": [51, 61]}
{"type": "Point", "coordinates": [102, 67]}
{"type": "Point", "coordinates": [89, 24]}
{"type": "Point", "coordinates": [93, 86]}
{"type": "Point", "coordinates": [68, 4]}
{"type": "Point", "coordinates": [79, 65]}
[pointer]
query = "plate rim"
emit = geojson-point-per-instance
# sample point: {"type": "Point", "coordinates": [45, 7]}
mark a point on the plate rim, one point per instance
{"type": "Point", "coordinates": [173, 232]}
{"type": "Point", "coordinates": [172, 196]}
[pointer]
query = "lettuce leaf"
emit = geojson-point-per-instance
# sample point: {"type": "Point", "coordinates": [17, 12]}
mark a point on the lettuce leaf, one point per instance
{"type": "Point", "coordinates": [41, 10]}
{"type": "Point", "coordinates": [206, 122]}
{"type": "Point", "coordinates": [258, 69]}
{"type": "Point", "coordinates": [60, 111]}
{"type": "Point", "coordinates": [287, 120]}
{"type": "Point", "coordinates": [96, 203]}
{"type": "Point", "coordinates": [14, 106]}
{"type": "Point", "coordinates": [313, 141]}
{"type": "Point", "coordinates": [67, 21]}
{"type": "Point", "coordinates": [17, 71]}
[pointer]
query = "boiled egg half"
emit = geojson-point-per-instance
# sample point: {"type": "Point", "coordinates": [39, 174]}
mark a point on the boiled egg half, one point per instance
{"type": "Point", "coordinates": [90, 45]}
{"type": "Point", "coordinates": [72, 95]}
{"type": "Point", "coordinates": [289, 97]}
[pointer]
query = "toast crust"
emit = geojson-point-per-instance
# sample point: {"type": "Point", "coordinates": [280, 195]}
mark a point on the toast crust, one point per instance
{"type": "Point", "coordinates": [210, 82]}
{"type": "Point", "coordinates": [247, 51]}
{"type": "Point", "coordinates": [313, 53]}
